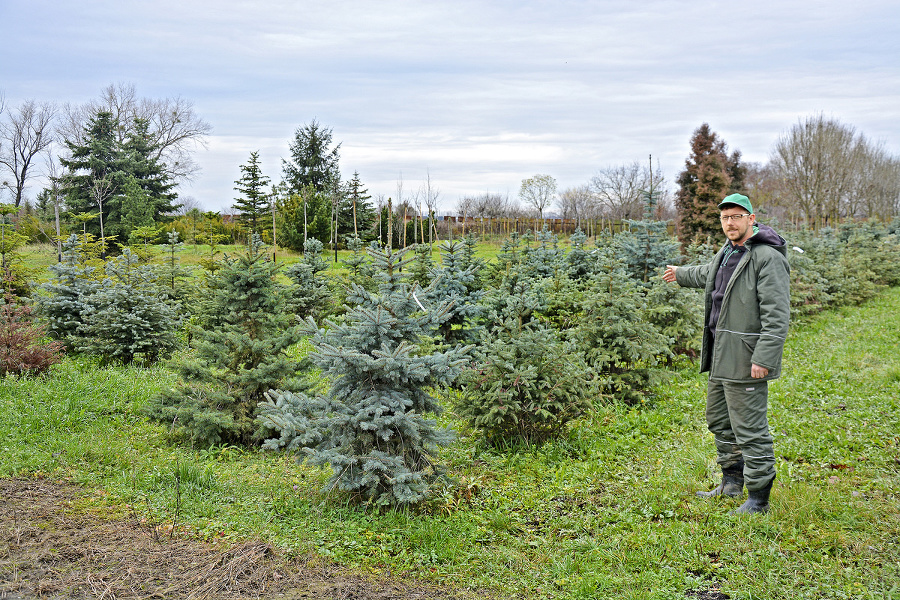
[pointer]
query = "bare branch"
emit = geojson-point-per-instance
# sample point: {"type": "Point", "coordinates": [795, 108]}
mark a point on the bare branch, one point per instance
{"type": "Point", "coordinates": [25, 134]}
{"type": "Point", "coordinates": [175, 129]}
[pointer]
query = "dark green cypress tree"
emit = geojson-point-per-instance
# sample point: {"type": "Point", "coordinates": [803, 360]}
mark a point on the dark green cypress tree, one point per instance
{"type": "Point", "coordinates": [241, 352]}
{"type": "Point", "coordinates": [709, 175]}
{"type": "Point", "coordinates": [370, 426]}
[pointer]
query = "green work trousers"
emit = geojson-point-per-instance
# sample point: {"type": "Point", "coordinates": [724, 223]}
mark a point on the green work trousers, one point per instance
{"type": "Point", "coordinates": [736, 416]}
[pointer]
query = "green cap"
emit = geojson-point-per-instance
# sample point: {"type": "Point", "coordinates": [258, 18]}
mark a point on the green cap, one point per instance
{"type": "Point", "coordinates": [739, 200]}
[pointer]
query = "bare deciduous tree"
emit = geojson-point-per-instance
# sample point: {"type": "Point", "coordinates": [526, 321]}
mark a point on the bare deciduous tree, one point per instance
{"type": "Point", "coordinates": [25, 134]}
{"type": "Point", "coordinates": [577, 203]}
{"type": "Point", "coordinates": [186, 204]}
{"type": "Point", "coordinates": [877, 184]}
{"type": "Point", "coordinates": [175, 129]}
{"type": "Point", "coordinates": [620, 190]}
{"type": "Point", "coordinates": [430, 195]}
{"type": "Point", "coordinates": [538, 192]}
{"type": "Point", "coordinates": [488, 204]}
{"type": "Point", "coordinates": [826, 171]}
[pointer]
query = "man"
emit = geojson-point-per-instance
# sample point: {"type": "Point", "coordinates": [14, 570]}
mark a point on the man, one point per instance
{"type": "Point", "coordinates": [747, 309]}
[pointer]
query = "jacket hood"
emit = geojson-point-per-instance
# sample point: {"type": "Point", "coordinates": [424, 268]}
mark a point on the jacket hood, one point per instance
{"type": "Point", "coordinates": [766, 235]}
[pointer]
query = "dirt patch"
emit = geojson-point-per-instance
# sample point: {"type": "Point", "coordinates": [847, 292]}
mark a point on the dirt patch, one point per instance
{"type": "Point", "coordinates": [710, 594]}
{"type": "Point", "coordinates": [48, 551]}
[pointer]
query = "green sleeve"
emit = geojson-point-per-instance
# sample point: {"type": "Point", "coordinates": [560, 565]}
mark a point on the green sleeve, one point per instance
{"type": "Point", "coordinates": [692, 276]}
{"type": "Point", "coordinates": [774, 295]}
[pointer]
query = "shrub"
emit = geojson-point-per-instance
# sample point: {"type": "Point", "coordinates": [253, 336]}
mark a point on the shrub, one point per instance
{"type": "Point", "coordinates": [23, 345]}
{"type": "Point", "coordinates": [526, 386]}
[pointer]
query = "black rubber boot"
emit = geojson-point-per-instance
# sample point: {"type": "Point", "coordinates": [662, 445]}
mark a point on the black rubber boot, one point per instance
{"type": "Point", "coordinates": [757, 501]}
{"type": "Point", "coordinates": [732, 483]}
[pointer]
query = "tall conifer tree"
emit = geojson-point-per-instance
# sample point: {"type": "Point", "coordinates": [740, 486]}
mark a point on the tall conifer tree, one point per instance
{"type": "Point", "coordinates": [253, 201]}
{"type": "Point", "coordinates": [709, 175]}
{"type": "Point", "coordinates": [314, 161]}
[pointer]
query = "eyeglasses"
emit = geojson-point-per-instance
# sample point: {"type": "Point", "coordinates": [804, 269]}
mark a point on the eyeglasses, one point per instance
{"type": "Point", "coordinates": [726, 218]}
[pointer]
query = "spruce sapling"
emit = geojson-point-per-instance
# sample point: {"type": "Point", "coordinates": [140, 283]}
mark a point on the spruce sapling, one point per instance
{"type": "Point", "coordinates": [62, 302]}
{"type": "Point", "coordinates": [370, 426]}
{"type": "Point", "coordinates": [127, 315]}
{"type": "Point", "coordinates": [241, 352]}
{"type": "Point", "coordinates": [311, 292]}
{"type": "Point", "coordinates": [454, 283]}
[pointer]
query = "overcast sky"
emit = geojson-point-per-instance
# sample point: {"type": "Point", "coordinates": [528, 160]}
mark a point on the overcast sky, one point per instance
{"type": "Point", "coordinates": [480, 95]}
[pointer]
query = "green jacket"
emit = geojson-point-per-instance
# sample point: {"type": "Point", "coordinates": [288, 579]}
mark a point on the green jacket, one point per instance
{"type": "Point", "coordinates": [753, 322]}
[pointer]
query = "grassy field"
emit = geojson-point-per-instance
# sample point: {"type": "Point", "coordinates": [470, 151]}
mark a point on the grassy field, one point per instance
{"type": "Point", "coordinates": [607, 512]}
{"type": "Point", "coordinates": [37, 257]}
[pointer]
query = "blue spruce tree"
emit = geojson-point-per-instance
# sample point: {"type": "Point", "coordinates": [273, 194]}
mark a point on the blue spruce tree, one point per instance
{"type": "Point", "coordinates": [618, 341]}
{"type": "Point", "coordinates": [370, 426]}
{"type": "Point", "coordinates": [127, 316]}
{"type": "Point", "coordinates": [579, 260]}
{"type": "Point", "coordinates": [646, 245]}
{"type": "Point", "coordinates": [63, 300]}
{"type": "Point", "coordinates": [455, 282]}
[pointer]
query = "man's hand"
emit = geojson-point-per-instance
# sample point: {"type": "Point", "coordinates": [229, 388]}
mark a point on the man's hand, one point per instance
{"type": "Point", "coordinates": [669, 275]}
{"type": "Point", "coordinates": [758, 372]}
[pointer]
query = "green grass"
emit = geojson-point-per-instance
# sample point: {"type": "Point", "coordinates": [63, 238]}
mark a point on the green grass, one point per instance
{"type": "Point", "coordinates": [607, 512]}
{"type": "Point", "coordinates": [37, 257]}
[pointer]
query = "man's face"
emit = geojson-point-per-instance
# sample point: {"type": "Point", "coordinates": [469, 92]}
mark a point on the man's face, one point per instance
{"type": "Point", "coordinates": [740, 228]}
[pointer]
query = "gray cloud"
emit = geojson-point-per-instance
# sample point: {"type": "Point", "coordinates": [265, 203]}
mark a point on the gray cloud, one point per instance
{"type": "Point", "coordinates": [480, 94]}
